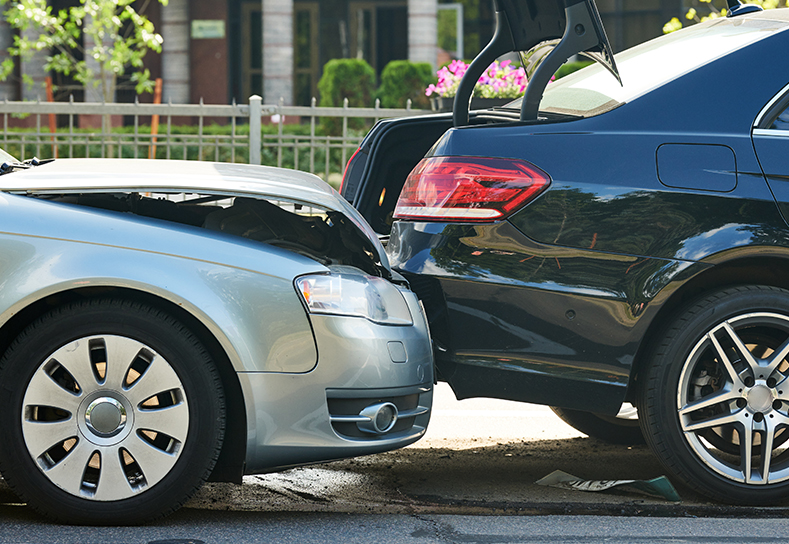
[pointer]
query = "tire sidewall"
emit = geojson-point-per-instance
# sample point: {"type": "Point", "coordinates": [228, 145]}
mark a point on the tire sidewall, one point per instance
{"type": "Point", "coordinates": [162, 334]}
{"type": "Point", "coordinates": [658, 411]}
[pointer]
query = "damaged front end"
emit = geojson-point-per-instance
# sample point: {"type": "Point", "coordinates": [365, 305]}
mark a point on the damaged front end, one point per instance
{"type": "Point", "coordinates": [326, 236]}
{"type": "Point", "coordinates": [288, 209]}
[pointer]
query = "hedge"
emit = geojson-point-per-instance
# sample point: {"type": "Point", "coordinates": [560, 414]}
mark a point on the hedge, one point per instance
{"type": "Point", "coordinates": [353, 79]}
{"type": "Point", "coordinates": [401, 80]}
{"type": "Point", "coordinates": [569, 67]}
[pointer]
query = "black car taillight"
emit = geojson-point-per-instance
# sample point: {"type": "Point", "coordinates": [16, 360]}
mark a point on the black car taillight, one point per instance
{"type": "Point", "coordinates": [469, 189]}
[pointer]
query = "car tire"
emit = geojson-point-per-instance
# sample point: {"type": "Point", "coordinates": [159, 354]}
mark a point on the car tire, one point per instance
{"type": "Point", "coordinates": [715, 390]}
{"type": "Point", "coordinates": [112, 413]}
{"type": "Point", "coordinates": [623, 431]}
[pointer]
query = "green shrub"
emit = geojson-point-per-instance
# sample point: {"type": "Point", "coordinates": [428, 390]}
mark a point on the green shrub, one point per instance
{"type": "Point", "coordinates": [353, 79]}
{"type": "Point", "coordinates": [569, 67]}
{"type": "Point", "coordinates": [401, 80]}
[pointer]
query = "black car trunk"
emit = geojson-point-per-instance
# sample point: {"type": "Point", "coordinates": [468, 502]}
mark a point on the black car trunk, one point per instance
{"type": "Point", "coordinates": [377, 172]}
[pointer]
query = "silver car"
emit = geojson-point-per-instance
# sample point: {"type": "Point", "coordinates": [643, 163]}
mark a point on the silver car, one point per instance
{"type": "Point", "coordinates": [164, 322]}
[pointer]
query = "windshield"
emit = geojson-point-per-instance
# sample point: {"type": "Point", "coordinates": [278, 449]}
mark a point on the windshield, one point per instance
{"type": "Point", "coordinates": [593, 90]}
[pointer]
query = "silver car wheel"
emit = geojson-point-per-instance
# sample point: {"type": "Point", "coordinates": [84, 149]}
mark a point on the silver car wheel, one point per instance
{"type": "Point", "coordinates": [733, 391]}
{"type": "Point", "coordinates": [105, 417]}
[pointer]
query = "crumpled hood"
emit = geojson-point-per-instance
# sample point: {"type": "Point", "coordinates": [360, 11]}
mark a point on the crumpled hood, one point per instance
{"type": "Point", "coordinates": [139, 175]}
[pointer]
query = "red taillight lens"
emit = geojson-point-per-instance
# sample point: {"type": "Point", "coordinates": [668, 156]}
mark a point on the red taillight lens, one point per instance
{"type": "Point", "coordinates": [469, 189]}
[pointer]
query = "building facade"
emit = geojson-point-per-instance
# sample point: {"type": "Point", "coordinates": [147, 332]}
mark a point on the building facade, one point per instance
{"type": "Point", "coordinates": [225, 50]}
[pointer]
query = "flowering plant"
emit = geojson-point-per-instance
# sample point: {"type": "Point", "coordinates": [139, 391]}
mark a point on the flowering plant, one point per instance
{"type": "Point", "coordinates": [500, 80]}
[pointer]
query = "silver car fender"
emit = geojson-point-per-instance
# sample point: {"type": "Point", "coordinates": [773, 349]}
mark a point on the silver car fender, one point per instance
{"type": "Point", "coordinates": [257, 318]}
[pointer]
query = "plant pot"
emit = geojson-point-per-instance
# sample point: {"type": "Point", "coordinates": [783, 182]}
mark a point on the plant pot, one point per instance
{"type": "Point", "coordinates": [485, 103]}
{"type": "Point", "coordinates": [441, 103]}
{"type": "Point", "coordinates": [445, 103]}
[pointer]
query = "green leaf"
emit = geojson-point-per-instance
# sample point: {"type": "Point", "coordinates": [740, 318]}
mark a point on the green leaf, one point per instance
{"type": "Point", "coordinates": [100, 24]}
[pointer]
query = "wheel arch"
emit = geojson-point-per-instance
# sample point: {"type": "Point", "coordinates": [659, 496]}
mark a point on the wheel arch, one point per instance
{"type": "Point", "coordinates": [762, 270]}
{"type": "Point", "coordinates": [230, 464]}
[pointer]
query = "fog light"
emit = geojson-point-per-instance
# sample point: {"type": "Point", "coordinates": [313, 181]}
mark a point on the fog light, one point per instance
{"type": "Point", "coordinates": [382, 417]}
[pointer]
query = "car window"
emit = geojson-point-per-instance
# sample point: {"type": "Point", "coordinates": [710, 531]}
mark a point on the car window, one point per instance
{"type": "Point", "coordinates": [781, 122]}
{"type": "Point", "coordinates": [643, 68]}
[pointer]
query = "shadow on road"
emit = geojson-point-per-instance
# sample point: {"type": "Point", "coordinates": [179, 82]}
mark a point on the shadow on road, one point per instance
{"type": "Point", "coordinates": [497, 479]}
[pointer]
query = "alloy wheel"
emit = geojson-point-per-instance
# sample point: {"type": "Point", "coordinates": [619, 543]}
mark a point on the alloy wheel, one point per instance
{"type": "Point", "coordinates": [733, 398]}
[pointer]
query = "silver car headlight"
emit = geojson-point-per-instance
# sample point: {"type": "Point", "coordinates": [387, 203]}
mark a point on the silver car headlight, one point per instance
{"type": "Point", "coordinates": [357, 295]}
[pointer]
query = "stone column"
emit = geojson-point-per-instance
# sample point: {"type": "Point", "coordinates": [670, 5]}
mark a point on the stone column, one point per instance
{"type": "Point", "coordinates": [277, 51]}
{"type": "Point", "coordinates": [175, 52]}
{"type": "Point", "coordinates": [423, 31]}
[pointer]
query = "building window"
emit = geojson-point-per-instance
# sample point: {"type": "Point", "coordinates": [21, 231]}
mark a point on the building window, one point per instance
{"type": "Point", "coordinates": [251, 49]}
{"type": "Point", "coordinates": [478, 24]}
{"type": "Point", "coordinates": [306, 52]}
{"type": "Point", "coordinates": [379, 32]}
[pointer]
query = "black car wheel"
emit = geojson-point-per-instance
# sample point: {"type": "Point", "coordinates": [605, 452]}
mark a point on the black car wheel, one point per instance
{"type": "Point", "coordinates": [621, 429]}
{"type": "Point", "coordinates": [113, 413]}
{"type": "Point", "coordinates": [715, 402]}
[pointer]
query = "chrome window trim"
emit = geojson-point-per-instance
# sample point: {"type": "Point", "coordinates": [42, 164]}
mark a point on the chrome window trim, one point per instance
{"type": "Point", "coordinates": [772, 132]}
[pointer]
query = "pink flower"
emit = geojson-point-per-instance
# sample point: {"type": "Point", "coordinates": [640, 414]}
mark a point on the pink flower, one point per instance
{"type": "Point", "coordinates": [498, 80]}
{"type": "Point", "coordinates": [455, 64]}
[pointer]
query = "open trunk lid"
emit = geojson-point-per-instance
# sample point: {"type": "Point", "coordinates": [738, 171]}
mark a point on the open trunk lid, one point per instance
{"type": "Point", "coordinates": [574, 26]}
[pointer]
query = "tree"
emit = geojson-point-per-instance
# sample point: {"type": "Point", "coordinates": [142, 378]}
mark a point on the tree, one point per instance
{"type": "Point", "coordinates": [709, 11]}
{"type": "Point", "coordinates": [96, 41]}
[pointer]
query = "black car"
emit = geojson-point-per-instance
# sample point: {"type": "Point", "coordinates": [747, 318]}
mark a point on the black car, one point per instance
{"type": "Point", "coordinates": [617, 236]}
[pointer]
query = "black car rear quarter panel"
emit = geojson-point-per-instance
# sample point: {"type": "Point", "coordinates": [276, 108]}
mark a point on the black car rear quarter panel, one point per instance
{"type": "Point", "coordinates": [526, 321]}
{"type": "Point", "coordinates": [553, 304]}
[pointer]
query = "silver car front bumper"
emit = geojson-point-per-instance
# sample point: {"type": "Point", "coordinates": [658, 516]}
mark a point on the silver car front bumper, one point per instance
{"type": "Point", "coordinates": [312, 417]}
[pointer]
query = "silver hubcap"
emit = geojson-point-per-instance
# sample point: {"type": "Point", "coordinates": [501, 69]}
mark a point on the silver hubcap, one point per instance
{"type": "Point", "coordinates": [733, 398]}
{"type": "Point", "coordinates": [105, 417]}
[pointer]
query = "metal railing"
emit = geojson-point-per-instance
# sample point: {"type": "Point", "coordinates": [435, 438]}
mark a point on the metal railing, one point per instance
{"type": "Point", "coordinates": [311, 143]}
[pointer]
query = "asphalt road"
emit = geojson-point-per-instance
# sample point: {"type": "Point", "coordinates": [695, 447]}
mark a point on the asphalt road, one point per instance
{"type": "Point", "coordinates": [195, 526]}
